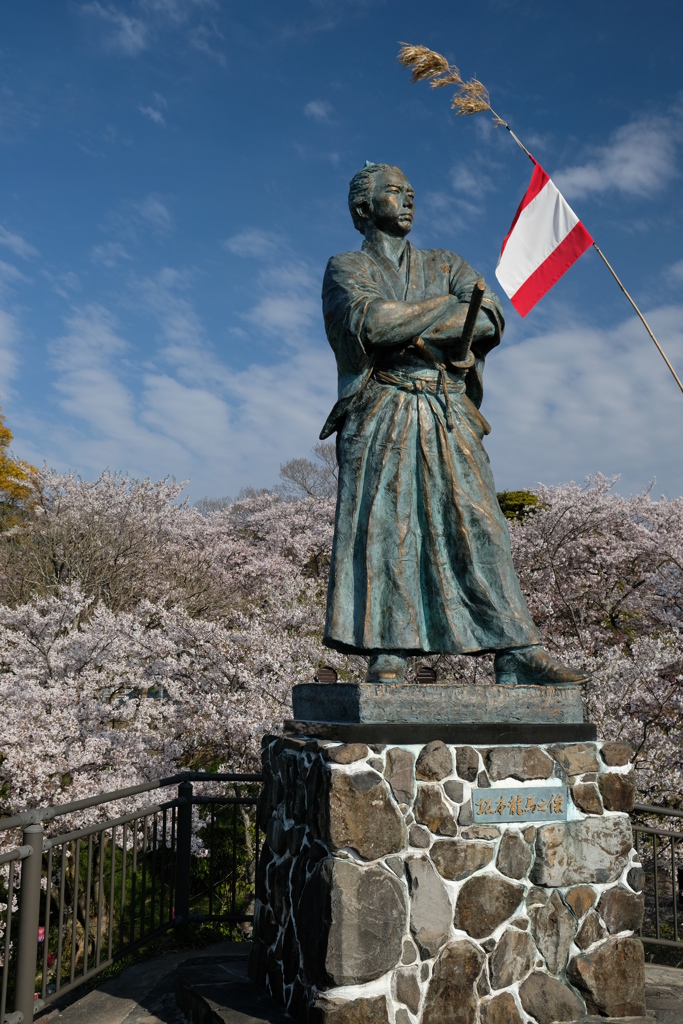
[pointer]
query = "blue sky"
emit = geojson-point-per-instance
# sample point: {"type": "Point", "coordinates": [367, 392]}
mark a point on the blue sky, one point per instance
{"type": "Point", "coordinates": [174, 176]}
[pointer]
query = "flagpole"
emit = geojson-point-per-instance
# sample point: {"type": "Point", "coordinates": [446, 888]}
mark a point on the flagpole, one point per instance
{"type": "Point", "coordinates": [609, 266]}
{"type": "Point", "coordinates": [642, 318]}
{"type": "Point", "coordinates": [504, 124]}
{"type": "Point", "coordinates": [473, 98]}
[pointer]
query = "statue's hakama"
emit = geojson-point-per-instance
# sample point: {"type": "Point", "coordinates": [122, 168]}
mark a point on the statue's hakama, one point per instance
{"type": "Point", "coordinates": [421, 559]}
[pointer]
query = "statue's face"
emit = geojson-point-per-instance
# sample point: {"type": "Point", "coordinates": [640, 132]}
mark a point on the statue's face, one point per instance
{"type": "Point", "coordinates": [392, 205]}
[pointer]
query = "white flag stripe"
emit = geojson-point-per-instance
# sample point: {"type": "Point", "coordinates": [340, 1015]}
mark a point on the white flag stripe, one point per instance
{"type": "Point", "coordinates": [542, 225]}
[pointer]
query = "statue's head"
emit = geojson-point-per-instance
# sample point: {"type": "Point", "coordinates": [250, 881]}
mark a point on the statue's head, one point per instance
{"type": "Point", "coordinates": [380, 194]}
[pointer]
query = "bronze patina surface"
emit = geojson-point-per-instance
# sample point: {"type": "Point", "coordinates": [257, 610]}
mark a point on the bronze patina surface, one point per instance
{"type": "Point", "coordinates": [421, 559]}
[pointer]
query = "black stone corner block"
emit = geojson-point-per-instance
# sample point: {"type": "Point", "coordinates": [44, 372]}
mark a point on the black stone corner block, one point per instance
{"type": "Point", "coordinates": [257, 963]}
{"type": "Point", "coordinates": [489, 733]}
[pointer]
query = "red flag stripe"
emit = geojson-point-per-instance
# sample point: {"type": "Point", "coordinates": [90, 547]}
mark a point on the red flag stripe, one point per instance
{"type": "Point", "coordinates": [551, 270]}
{"type": "Point", "coordinates": [538, 181]}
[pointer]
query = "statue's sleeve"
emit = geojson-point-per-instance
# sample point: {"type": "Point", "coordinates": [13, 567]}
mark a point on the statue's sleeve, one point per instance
{"type": "Point", "coordinates": [348, 290]}
{"type": "Point", "coordinates": [462, 281]}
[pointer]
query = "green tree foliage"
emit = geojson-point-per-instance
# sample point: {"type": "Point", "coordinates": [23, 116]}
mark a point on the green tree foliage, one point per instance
{"type": "Point", "coordinates": [517, 504]}
{"type": "Point", "coordinates": [16, 481]}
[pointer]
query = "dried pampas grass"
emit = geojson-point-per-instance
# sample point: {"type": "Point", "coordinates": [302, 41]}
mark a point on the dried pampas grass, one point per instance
{"type": "Point", "coordinates": [425, 63]}
{"type": "Point", "coordinates": [471, 97]}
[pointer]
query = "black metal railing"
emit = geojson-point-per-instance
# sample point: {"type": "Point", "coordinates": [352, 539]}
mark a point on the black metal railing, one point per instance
{"type": "Point", "coordinates": [660, 847]}
{"type": "Point", "coordinates": [88, 896]}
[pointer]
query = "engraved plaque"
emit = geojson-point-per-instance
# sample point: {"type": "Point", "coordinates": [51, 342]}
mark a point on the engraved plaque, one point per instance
{"type": "Point", "coordinates": [522, 804]}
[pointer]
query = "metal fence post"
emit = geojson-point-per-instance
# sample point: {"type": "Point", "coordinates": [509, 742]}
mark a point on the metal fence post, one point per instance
{"type": "Point", "coordinates": [183, 853]}
{"type": "Point", "coordinates": [29, 920]}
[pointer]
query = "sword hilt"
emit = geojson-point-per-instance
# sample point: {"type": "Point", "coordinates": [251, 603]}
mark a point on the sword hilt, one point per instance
{"type": "Point", "coordinates": [468, 329]}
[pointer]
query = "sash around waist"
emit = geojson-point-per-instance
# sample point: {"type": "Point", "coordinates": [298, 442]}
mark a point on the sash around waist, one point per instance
{"type": "Point", "coordinates": [433, 383]}
{"type": "Point", "coordinates": [428, 379]}
{"type": "Point", "coordinates": [423, 381]}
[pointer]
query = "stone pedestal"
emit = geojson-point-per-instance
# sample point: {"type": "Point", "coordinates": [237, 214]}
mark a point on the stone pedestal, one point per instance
{"type": "Point", "coordinates": [436, 703]}
{"type": "Point", "coordinates": [380, 900]}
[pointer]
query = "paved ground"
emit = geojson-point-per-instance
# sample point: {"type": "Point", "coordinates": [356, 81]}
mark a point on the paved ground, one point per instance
{"type": "Point", "coordinates": [142, 994]}
{"type": "Point", "coordinates": [145, 993]}
{"type": "Point", "coordinates": [221, 993]}
{"type": "Point", "coordinates": [664, 993]}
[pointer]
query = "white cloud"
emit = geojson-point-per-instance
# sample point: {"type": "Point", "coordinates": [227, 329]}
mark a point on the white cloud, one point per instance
{"type": "Point", "coordinates": [87, 363]}
{"type": "Point", "coordinates": [291, 309]}
{"type": "Point", "coordinates": [309, 153]}
{"type": "Point", "coordinates": [243, 421]}
{"type": "Point", "coordinates": [155, 213]}
{"type": "Point", "coordinates": [9, 340]}
{"type": "Point", "coordinates": [319, 110]}
{"type": "Point", "coordinates": [153, 115]}
{"type": "Point", "coordinates": [443, 213]}
{"type": "Point", "coordinates": [184, 409]}
{"type": "Point", "coordinates": [454, 211]}
{"type": "Point", "coordinates": [563, 403]}
{"type": "Point", "coordinates": [288, 315]}
{"type": "Point", "coordinates": [17, 115]}
{"type": "Point", "coordinates": [177, 11]}
{"type": "Point", "coordinates": [256, 243]}
{"type": "Point", "coordinates": [81, 358]}
{"type": "Point", "coordinates": [133, 218]}
{"type": "Point", "coordinates": [575, 400]}
{"type": "Point", "coordinates": [128, 36]}
{"type": "Point", "coordinates": [185, 345]}
{"type": "Point", "coordinates": [675, 272]}
{"type": "Point", "coordinates": [109, 254]}
{"type": "Point", "coordinates": [639, 160]}
{"type": "Point", "coordinates": [201, 38]}
{"type": "Point", "coordinates": [191, 416]}
{"type": "Point", "coordinates": [64, 284]}
{"type": "Point", "coordinates": [16, 244]}
{"type": "Point", "coordinates": [470, 180]}
{"type": "Point", "coordinates": [9, 275]}
{"type": "Point", "coordinates": [225, 427]}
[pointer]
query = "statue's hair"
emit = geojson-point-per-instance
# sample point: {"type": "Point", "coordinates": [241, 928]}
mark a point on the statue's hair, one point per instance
{"type": "Point", "coordinates": [360, 190]}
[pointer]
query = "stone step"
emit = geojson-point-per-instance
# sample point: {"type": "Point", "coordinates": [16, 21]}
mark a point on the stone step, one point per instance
{"type": "Point", "coordinates": [664, 993]}
{"type": "Point", "coordinates": [650, 1019]}
{"type": "Point", "coordinates": [217, 990]}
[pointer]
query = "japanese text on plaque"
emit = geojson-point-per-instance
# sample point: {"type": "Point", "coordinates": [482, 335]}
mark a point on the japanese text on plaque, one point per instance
{"type": "Point", "coordinates": [541, 803]}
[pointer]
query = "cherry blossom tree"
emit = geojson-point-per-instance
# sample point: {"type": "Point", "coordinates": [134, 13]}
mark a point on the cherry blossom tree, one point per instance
{"type": "Point", "coordinates": [140, 636]}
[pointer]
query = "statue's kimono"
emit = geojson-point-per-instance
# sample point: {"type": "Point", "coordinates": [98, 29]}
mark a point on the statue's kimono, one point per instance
{"type": "Point", "coordinates": [421, 558]}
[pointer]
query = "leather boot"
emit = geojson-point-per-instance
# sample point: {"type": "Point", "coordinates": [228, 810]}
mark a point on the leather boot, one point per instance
{"type": "Point", "coordinates": [534, 666]}
{"type": "Point", "coordinates": [387, 667]}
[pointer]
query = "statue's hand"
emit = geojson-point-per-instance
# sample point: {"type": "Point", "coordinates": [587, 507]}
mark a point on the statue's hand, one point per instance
{"type": "Point", "coordinates": [483, 328]}
{"type": "Point", "coordinates": [447, 333]}
{"type": "Point", "coordinates": [448, 329]}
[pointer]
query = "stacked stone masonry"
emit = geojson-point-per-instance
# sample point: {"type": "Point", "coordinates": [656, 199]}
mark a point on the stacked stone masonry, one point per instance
{"type": "Point", "coordinates": [380, 901]}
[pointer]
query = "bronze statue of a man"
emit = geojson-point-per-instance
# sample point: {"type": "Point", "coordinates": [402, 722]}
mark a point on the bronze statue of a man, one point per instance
{"type": "Point", "coordinates": [421, 561]}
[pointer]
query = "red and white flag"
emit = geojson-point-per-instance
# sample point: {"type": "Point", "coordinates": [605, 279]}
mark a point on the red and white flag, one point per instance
{"type": "Point", "coordinates": [546, 237]}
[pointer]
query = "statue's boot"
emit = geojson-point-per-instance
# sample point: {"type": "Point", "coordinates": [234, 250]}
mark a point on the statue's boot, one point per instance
{"type": "Point", "coordinates": [387, 668]}
{"type": "Point", "coordinates": [534, 666]}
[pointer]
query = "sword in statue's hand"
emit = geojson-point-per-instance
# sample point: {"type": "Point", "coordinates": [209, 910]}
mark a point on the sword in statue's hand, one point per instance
{"type": "Point", "coordinates": [462, 349]}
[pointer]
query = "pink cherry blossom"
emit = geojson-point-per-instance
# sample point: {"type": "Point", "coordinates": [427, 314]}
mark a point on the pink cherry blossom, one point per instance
{"type": "Point", "coordinates": [139, 637]}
